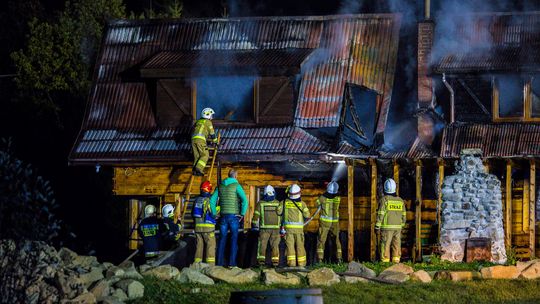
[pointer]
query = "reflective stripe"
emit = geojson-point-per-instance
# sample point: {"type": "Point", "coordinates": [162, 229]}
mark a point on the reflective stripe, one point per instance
{"type": "Point", "coordinates": [205, 225]}
{"type": "Point", "coordinates": [261, 257]}
{"type": "Point", "coordinates": [295, 226]}
{"type": "Point", "coordinates": [320, 250]}
{"type": "Point", "coordinates": [198, 260]}
{"type": "Point", "coordinates": [198, 136]}
{"type": "Point", "coordinates": [201, 162]}
{"type": "Point", "coordinates": [270, 226]}
{"type": "Point", "coordinates": [385, 260]}
{"type": "Point", "coordinates": [275, 258]}
{"type": "Point", "coordinates": [301, 258]}
{"type": "Point", "coordinates": [151, 253]}
{"type": "Point", "coordinates": [212, 260]}
{"type": "Point", "coordinates": [291, 257]}
{"type": "Point", "coordinates": [390, 226]}
{"type": "Point", "coordinates": [294, 223]}
{"type": "Point", "coordinates": [396, 259]}
{"type": "Point", "coordinates": [330, 219]}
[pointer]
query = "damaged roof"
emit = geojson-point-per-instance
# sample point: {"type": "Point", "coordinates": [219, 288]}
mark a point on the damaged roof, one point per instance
{"type": "Point", "coordinates": [327, 51]}
{"type": "Point", "coordinates": [490, 42]}
{"type": "Point", "coordinates": [495, 140]}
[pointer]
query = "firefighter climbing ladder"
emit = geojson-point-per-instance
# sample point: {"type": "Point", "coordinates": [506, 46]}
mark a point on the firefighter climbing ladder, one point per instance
{"type": "Point", "coordinates": [183, 204]}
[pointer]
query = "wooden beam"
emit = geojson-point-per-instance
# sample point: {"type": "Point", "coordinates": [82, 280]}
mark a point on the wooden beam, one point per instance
{"type": "Point", "coordinates": [350, 211]}
{"type": "Point", "coordinates": [373, 209]}
{"type": "Point", "coordinates": [418, 212]}
{"type": "Point", "coordinates": [508, 205]}
{"type": "Point", "coordinates": [252, 198]}
{"type": "Point", "coordinates": [396, 175]}
{"type": "Point", "coordinates": [439, 196]}
{"type": "Point", "coordinates": [134, 210]}
{"type": "Point", "coordinates": [532, 209]}
{"type": "Point", "coordinates": [525, 207]}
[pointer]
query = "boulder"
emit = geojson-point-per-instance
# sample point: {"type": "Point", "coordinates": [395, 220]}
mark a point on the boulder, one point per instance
{"type": "Point", "coordinates": [272, 277]}
{"type": "Point", "coordinates": [531, 272]}
{"type": "Point", "coordinates": [357, 268]}
{"type": "Point", "coordinates": [67, 255]}
{"type": "Point", "coordinates": [163, 272]}
{"type": "Point", "coordinates": [457, 276]}
{"type": "Point", "coordinates": [132, 288]}
{"type": "Point", "coordinates": [101, 289]}
{"type": "Point", "coordinates": [352, 280]}
{"type": "Point", "coordinates": [69, 286]}
{"type": "Point", "coordinates": [199, 266]}
{"type": "Point", "coordinates": [233, 276]}
{"type": "Point", "coordinates": [144, 267]}
{"type": "Point", "coordinates": [95, 274]}
{"type": "Point", "coordinates": [397, 268]}
{"type": "Point", "coordinates": [114, 271]}
{"type": "Point", "coordinates": [119, 294]}
{"type": "Point", "coordinates": [85, 261]}
{"type": "Point", "coordinates": [84, 298]}
{"type": "Point", "coordinates": [130, 272]}
{"type": "Point", "coordinates": [420, 276]}
{"type": "Point", "coordinates": [189, 275]}
{"type": "Point", "coordinates": [524, 265]}
{"type": "Point", "coordinates": [397, 277]}
{"type": "Point", "coordinates": [107, 265]}
{"type": "Point", "coordinates": [500, 272]}
{"type": "Point", "coordinates": [322, 276]}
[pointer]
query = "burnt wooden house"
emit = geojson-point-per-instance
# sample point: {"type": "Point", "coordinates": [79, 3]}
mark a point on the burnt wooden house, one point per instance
{"type": "Point", "coordinates": [483, 73]}
{"type": "Point", "coordinates": [298, 100]}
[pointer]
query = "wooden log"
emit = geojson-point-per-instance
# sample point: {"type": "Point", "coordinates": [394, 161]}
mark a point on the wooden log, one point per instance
{"type": "Point", "coordinates": [418, 212]}
{"type": "Point", "coordinates": [439, 196]}
{"type": "Point", "coordinates": [396, 175]}
{"type": "Point", "coordinates": [525, 207]}
{"type": "Point", "coordinates": [251, 207]}
{"type": "Point", "coordinates": [350, 212]}
{"type": "Point", "coordinates": [532, 209]}
{"type": "Point", "coordinates": [373, 209]}
{"type": "Point", "coordinates": [508, 205]}
{"type": "Point", "coordinates": [134, 211]}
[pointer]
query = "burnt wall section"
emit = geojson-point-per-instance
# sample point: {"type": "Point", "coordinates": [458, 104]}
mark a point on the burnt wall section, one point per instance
{"type": "Point", "coordinates": [472, 207]}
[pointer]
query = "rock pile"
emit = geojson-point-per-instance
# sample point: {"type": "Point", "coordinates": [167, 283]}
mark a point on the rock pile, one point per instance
{"type": "Point", "coordinates": [33, 272]}
{"type": "Point", "coordinates": [472, 207]}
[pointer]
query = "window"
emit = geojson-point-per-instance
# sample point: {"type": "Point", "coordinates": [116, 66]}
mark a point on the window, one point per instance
{"type": "Point", "coordinates": [516, 98]}
{"type": "Point", "coordinates": [231, 97]}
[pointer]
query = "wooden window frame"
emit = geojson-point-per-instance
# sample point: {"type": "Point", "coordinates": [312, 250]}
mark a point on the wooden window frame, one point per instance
{"type": "Point", "coordinates": [527, 103]}
{"type": "Point", "coordinates": [255, 100]}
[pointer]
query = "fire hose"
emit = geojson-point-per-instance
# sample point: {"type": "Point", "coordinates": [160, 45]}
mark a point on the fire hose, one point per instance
{"type": "Point", "coordinates": [313, 216]}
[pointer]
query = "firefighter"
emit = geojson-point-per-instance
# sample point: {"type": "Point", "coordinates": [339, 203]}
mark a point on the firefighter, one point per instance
{"type": "Point", "coordinates": [205, 226]}
{"type": "Point", "coordinates": [234, 204]}
{"type": "Point", "coordinates": [328, 204]}
{"type": "Point", "coordinates": [391, 218]}
{"type": "Point", "coordinates": [151, 230]}
{"type": "Point", "coordinates": [267, 221]}
{"type": "Point", "coordinates": [294, 211]}
{"type": "Point", "coordinates": [172, 229]}
{"type": "Point", "coordinates": [202, 132]}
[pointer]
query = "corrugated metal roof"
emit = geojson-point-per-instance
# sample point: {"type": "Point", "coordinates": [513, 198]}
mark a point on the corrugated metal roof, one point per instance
{"type": "Point", "coordinates": [195, 62]}
{"type": "Point", "coordinates": [174, 144]}
{"type": "Point", "coordinates": [490, 42]}
{"type": "Point", "coordinates": [495, 140]}
{"type": "Point", "coordinates": [419, 150]}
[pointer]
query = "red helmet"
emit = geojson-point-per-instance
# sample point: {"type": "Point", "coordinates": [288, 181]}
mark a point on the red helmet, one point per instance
{"type": "Point", "coordinates": [206, 187]}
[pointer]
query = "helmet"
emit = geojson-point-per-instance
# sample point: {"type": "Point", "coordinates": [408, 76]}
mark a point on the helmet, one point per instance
{"type": "Point", "coordinates": [149, 210]}
{"type": "Point", "coordinates": [167, 211]}
{"type": "Point", "coordinates": [206, 186]}
{"type": "Point", "coordinates": [269, 190]}
{"type": "Point", "coordinates": [294, 191]}
{"type": "Point", "coordinates": [208, 113]}
{"type": "Point", "coordinates": [332, 187]}
{"type": "Point", "coordinates": [390, 186]}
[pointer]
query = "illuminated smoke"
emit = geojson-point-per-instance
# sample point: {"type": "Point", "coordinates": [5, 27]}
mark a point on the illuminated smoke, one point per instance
{"type": "Point", "coordinates": [340, 170]}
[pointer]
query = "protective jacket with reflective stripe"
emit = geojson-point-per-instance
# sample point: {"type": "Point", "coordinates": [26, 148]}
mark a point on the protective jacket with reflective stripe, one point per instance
{"type": "Point", "coordinates": [329, 208]}
{"type": "Point", "coordinates": [266, 214]}
{"type": "Point", "coordinates": [203, 130]}
{"type": "Point", "coordinates": [391, 213]}
{"type": "Point", "coordinates": [294, 213]}
{"type": "Point", "coordinates": [205, 223]}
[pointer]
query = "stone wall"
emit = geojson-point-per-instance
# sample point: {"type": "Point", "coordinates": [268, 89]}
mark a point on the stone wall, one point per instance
{"type": "Point", "coordinates": [472, 207]}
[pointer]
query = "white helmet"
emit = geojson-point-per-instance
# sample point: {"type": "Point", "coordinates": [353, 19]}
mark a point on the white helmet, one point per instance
{"type": "Point", "coordinates": [269, 190]}
{"type": "Point", "coordinates": [294, 191]}
{"type": "Point", "coordinates": [390, 186]}
{"type": "Point", "coordinates": [149, 210]}
{"type": "Point", "coordinates": [332, 187]}
{"type": "Point", "coordinates": [167, 211]}
{"type": "Point", "coordinates": [208, 113]}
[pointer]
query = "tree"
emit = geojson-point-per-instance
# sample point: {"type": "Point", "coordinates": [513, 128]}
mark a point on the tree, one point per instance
{"type": "Point", "coordinates": [60, 53]}
{"type": "Point", "coordinates": [26, 202]}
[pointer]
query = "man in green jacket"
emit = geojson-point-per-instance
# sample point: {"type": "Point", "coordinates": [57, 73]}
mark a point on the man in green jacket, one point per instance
{"type": "Point", "coordinates": [391, 218]}
{"type": "Point", "coordinates": [234, 204]}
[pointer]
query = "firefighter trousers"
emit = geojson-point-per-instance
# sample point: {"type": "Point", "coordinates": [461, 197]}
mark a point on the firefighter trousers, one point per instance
{"type": "Point", "coordinates": [326, 228]}
{"type": "Point", "coordinates": [206, 242]}
{"type": "Point", "coordinates": [272, 237]}
{"type": "Point", "coordinates": [295, 248]}
{"type": "Point", "coordinates": [390, 239]}
{"type": "Point", "coordinates": [200, 155]}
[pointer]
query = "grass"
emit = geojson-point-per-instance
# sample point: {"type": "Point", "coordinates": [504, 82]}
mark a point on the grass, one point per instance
{"type": "Point", "coordinates": [481, 291]}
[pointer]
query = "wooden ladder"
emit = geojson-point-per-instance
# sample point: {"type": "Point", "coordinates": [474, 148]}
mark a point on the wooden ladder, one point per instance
{"type": "Point", "coordinates": [187, 193]}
